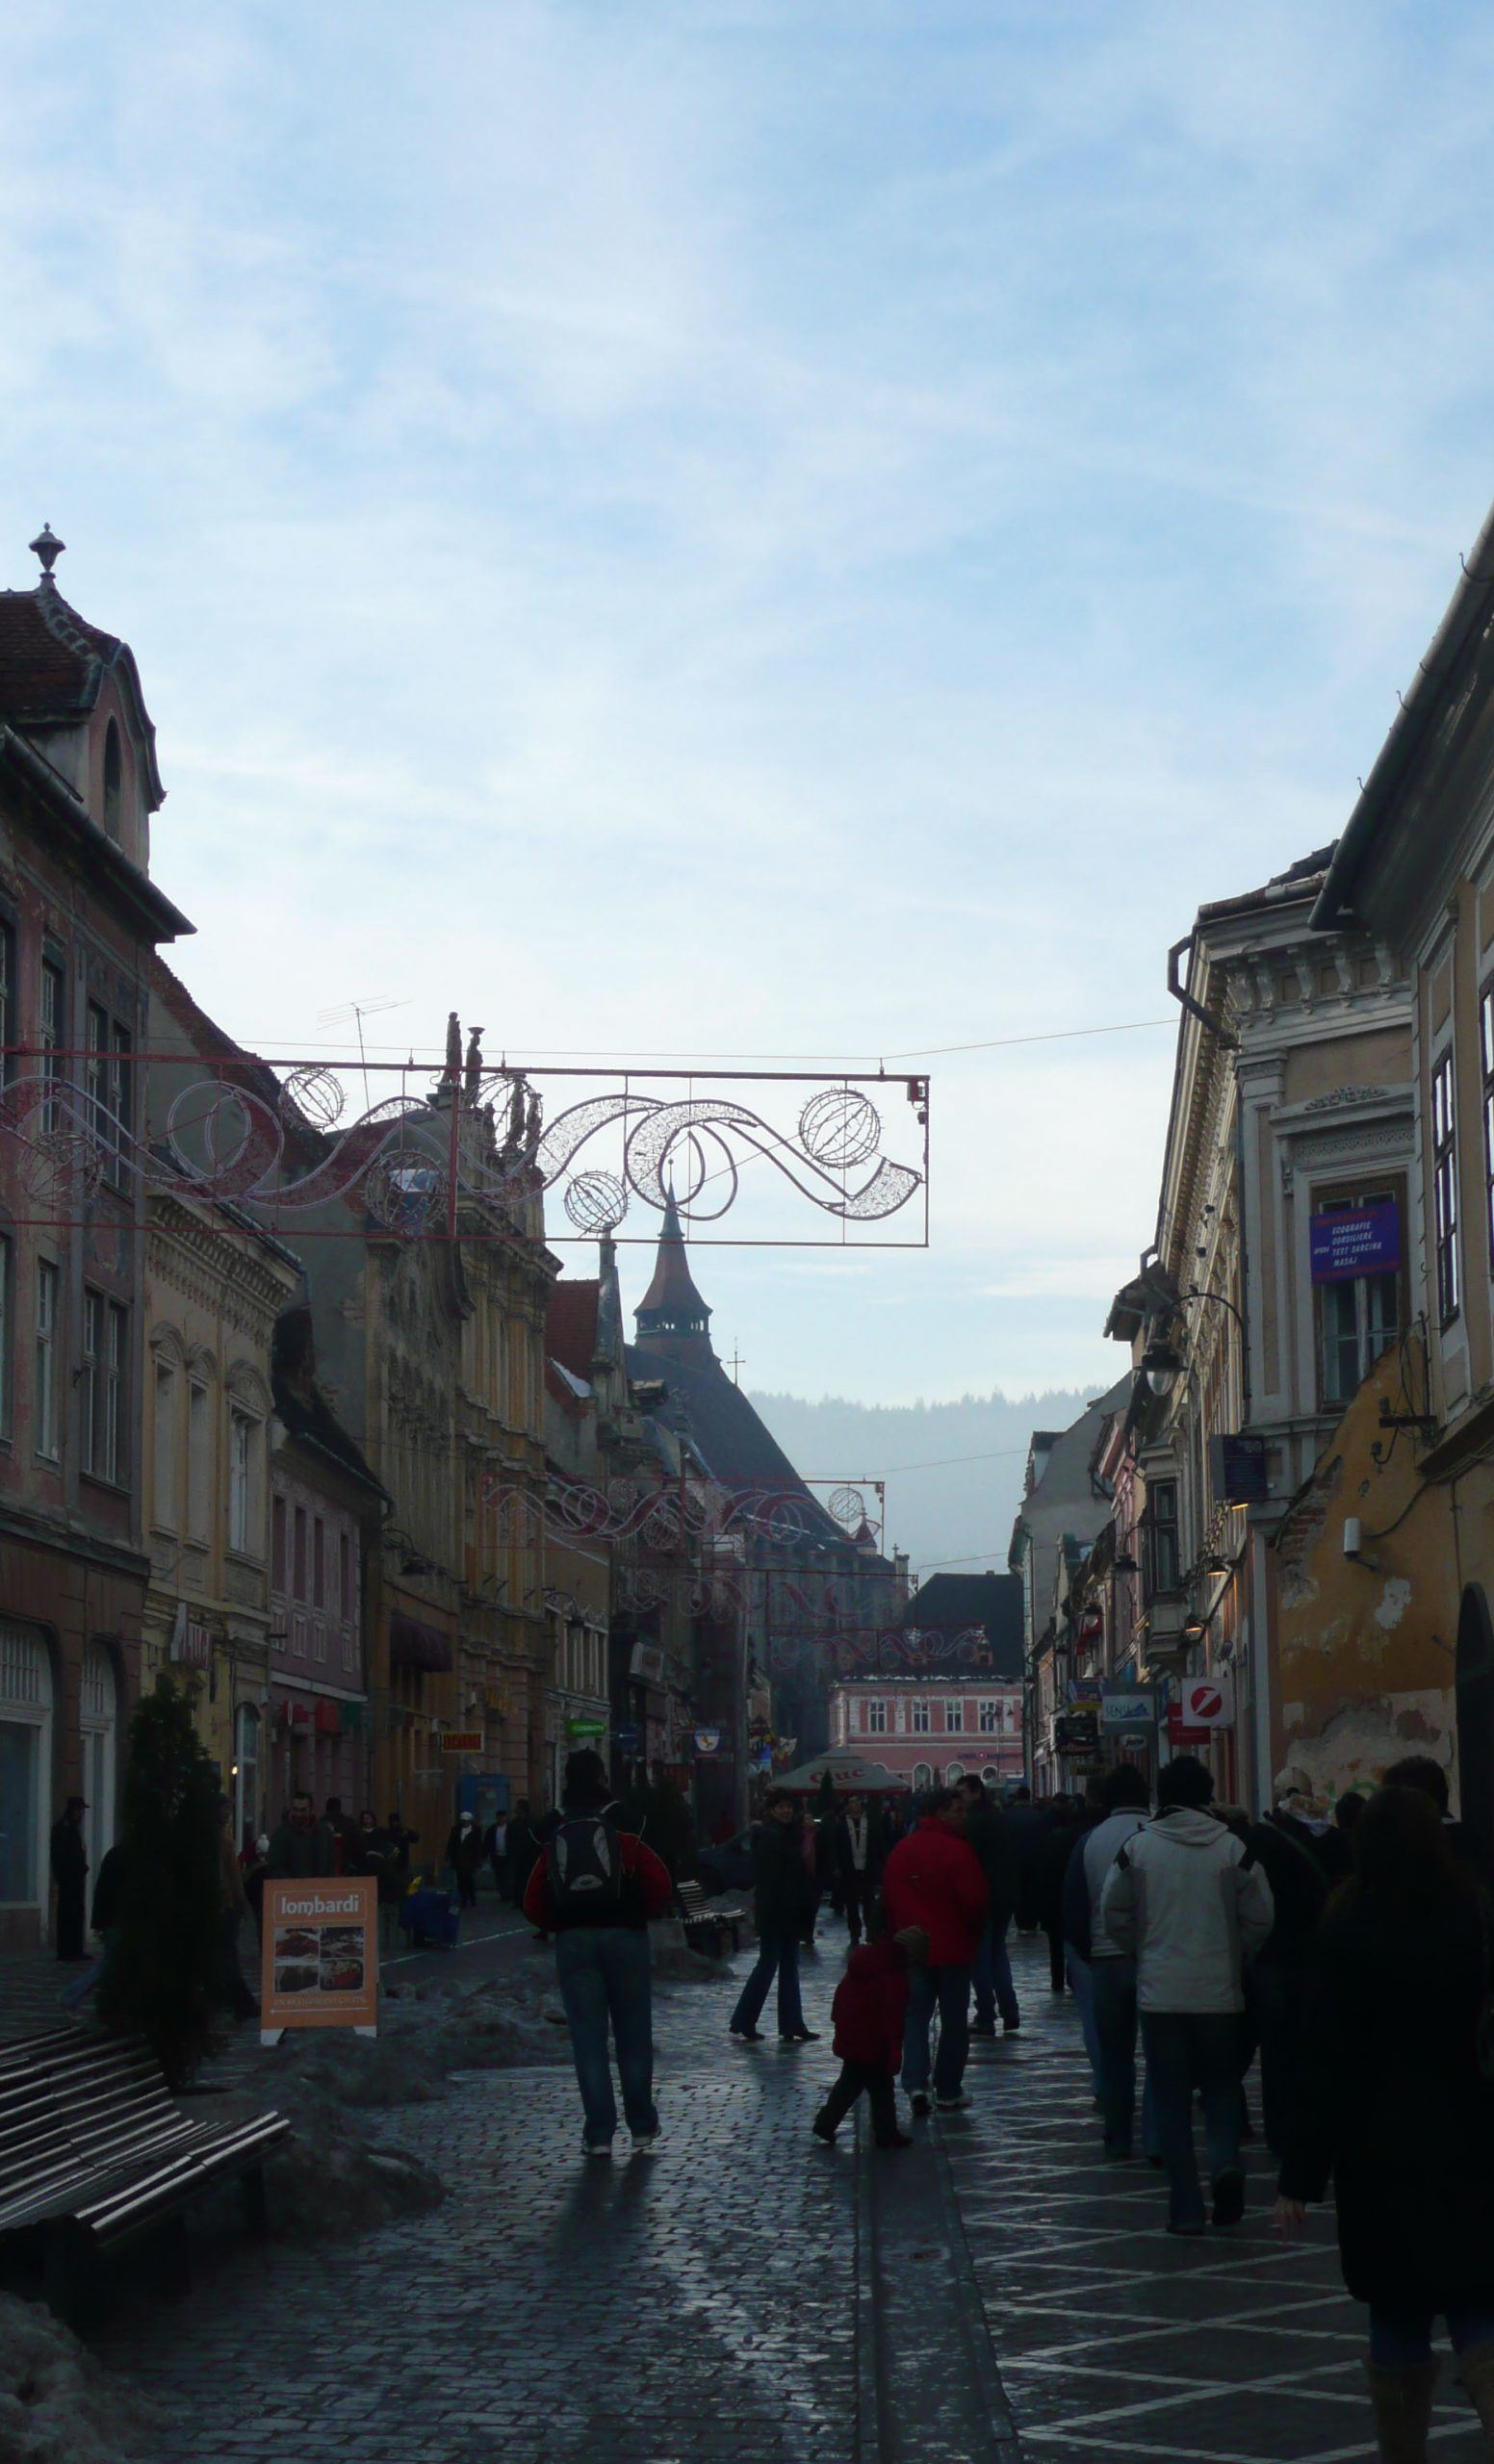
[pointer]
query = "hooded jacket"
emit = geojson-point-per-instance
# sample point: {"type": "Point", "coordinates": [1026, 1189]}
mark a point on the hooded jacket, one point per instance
{"type": "Point", "coordinates": [871, 2005]}
{"type": "Point", "coordinates": [1090, 1865]}
{"type": "Point", "coordinates": [933, 1878]}
{"type": "Point", "coordinates": [1189, 1899]}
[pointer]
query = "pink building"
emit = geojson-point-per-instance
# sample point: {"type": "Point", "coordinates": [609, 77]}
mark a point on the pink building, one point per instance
{"type": "Point", "coordinates": [930, 1730]}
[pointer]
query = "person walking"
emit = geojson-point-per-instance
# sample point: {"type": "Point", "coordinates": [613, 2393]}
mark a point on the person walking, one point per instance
{"type": "Point", "coordinates": [1419, 1771]}
{"type": "Point", "coordinates": [1189, 1903]}
{"type": "Point", "coordinates": [933, 1880]}
{"type": "Point", "coordinates": [1026, 1828]}
{"type": "Point", "coordinates": [595, 1889]}
{"type": "Point", "coordinates": [870, 2012]}
{"type": "Point", "coordinates": [524, 1849]}
{"type": "Point", "coordinates": [857, 1849]}
{"type": "Point", "coordinates": [1275, 1983]}
{"type": "Point", "coordinates": [989, 1834]}
{"type": "Point", "coordinates": [343, 1833]}
{"type": "Point", "coordinates": [495, 1845]}
{"type": "Point", "coordinates": [464, 1856]}
{"type": "Point", "coordinates": [778, 1911]}
{"type": "Point", "coordinates": [300, 1848]}
{"type": "Point", "coordinates": [70, 1874]}
{"type": "Point", "coordinates": [1396, 2107]}
{"type": "Point", "coordinates": [815, 1850]}
{"type": "Point", "coordinates": [1110, 1971]}
{"type": "Point", "coordinates": [1058, 1841]}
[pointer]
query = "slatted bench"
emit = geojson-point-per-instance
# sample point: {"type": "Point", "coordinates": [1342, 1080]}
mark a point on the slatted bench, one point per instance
{"type": "Point", "coordinates": [93, 2154]}
{"type": "Point", "coordinates": [701, 1916]}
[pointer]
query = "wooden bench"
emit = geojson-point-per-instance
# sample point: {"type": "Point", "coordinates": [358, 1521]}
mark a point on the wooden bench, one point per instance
{"type": "Point", "coordinates": [701, 1916]}
{"type": "Point", "coordinates": [93, 2154]}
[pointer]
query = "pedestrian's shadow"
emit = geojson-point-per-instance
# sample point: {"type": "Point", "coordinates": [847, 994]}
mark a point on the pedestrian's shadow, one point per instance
{"type": "Point", "coordinates": [613, 2192]}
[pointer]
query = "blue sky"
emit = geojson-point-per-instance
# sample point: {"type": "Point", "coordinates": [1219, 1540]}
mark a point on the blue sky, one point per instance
{"type": "Point", "coordinates": [761, 528]}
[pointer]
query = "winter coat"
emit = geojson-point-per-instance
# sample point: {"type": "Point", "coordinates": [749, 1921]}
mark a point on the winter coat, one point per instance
{"type": "Point", "coordinates": [70, 1855]}
{"type": "Point", "coordinates": [864, 1876]}
{"type": "Point", "coordinates": [871, 2005]}
{"type": "Point", "coordinates": [296, 1856]}
{"type": "Point", "coordinates": [1189, 1899]}
{"type": "Point", "coordinates": [647, 1890]}
{"type": "Point", "coordinates": [1390, 2104]}
{"type": "Point", "coordinates": [234, 1898]}
{"type": "Point", "coordinates": [1094, 1852]}
{"type": "Point", "coordinates": [780, 1882]}
{"type": "Point", "coordinates": [1027, 1828]}
{"type": "Point", "coordinates": [464, 1849]}
{"type": "Point", "coordinates": [933, 1878]}
{"type": "Point", "coordinates": [1059, 1843]}
{"type": "Point", "coordinates": [989, 1835]}
{"type": "Point", "coordinates": [1299, 1890]}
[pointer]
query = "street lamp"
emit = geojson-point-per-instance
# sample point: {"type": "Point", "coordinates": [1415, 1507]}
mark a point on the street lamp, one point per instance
{"type": "Point", "coordinates": [1162, 1365]}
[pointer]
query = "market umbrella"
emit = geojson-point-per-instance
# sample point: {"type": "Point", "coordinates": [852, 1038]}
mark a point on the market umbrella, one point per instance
{"type": "Point", "coordinates": [850, 1774]}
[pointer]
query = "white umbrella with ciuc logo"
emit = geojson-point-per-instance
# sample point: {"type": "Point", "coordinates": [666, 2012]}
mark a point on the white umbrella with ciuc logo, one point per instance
{"type": "Point", "coordinates": [850, 1775]}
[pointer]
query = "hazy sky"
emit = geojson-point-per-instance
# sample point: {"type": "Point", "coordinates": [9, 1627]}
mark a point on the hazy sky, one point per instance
{"type": "Point", "coordinates": [774, 526]}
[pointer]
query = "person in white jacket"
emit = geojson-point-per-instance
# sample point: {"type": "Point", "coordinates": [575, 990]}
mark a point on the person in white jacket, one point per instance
{"type": "Point", "coordinates": [1187, 1898]}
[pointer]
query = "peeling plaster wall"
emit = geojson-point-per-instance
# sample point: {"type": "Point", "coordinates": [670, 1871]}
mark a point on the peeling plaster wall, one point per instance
{"type": "Point", "coordinates": [1367, 1651]}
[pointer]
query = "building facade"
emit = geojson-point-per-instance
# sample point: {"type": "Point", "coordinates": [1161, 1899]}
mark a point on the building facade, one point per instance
{"type": "Point", "coordinates": [79, 922]}
{"type": "Point", "coordinates": [933, 1728]}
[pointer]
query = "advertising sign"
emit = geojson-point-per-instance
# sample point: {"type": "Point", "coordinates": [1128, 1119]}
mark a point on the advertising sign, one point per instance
{"type": "Point", "coordinates": [321, 1968]}
{"type": "Point", "coordinates": [1206, 1701]}
{"type": "Point", "coordinates": [1083, 1690]}
{"type": "Point", "coordinates": [1132, 1707]}
{"type": "Point", "coordinates": [707, 1740]}
{"type": "Point", "coordinates": [462, 1741]}
{"type": "Point", "coordinates": [585, 1727]}
{"type": "Point", "coordinates": [1355, 1240]}
{"type": "Point", "coordinates": [1179, 1734]}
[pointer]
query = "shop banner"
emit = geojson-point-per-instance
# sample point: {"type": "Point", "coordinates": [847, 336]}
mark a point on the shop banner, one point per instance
{"type": "Point", "coordinates": [1130, 1706]}
{"type": "Point", "coordinates": [1356, 1241]}
{"type": "Point", "coordinates": [321, 1966]}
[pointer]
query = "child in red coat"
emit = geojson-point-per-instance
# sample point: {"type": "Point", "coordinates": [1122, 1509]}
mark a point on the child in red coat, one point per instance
{"type": "Point", "coordinates": [869, 2010]}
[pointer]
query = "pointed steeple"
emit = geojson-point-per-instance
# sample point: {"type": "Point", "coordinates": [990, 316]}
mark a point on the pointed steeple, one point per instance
{"type": "Point", "coordinates": [670, 1304]}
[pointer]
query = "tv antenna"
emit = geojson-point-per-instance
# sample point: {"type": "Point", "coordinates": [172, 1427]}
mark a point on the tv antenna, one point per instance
{"type": "Point", "coordinates": [359, 1010]}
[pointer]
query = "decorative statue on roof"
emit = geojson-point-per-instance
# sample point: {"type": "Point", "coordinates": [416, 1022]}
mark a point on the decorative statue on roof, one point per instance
{"type": "Point", "coordinates": [531, 1134]}
{"type": "Point", "coordinates": [515, 1137]}
{"type": "Point", "coordinates": [474, 1065]}
{"type": "Point", "coordinates": [451, 1075]}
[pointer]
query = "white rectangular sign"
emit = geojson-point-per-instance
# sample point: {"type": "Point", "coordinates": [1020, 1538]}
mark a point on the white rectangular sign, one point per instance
{"type": "Point", "coordinates": [1207, 1702]}
{"type": "Point", "coordinates": [1137, 1710]}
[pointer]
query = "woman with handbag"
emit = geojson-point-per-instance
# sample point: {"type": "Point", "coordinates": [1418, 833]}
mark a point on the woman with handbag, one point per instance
{"type": "Point", "coordinates": [1395, 2102]}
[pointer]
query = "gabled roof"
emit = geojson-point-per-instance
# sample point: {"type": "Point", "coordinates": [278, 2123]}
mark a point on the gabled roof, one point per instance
{"type": "Point", "coordinates": [53, 663]}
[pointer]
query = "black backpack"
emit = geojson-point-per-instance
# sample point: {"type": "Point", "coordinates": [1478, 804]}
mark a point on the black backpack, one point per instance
{"type": "Point", "coordinates": [583, 1858]}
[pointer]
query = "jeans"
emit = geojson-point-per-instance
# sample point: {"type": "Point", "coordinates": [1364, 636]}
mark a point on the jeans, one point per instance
{"type": "Point", "coordinates": [235, 1993]}
{"type": "Point", "coordinates": [604, 1973]}
{"type": "Point", "coordinates": [950, 1990]}
{"type": "Point", "coordinates": [1113, 1991]}
{"type": "Point", "coordinates": [1400, 2341]}
{"type": "Point", "coordinates": [1081, 1984]}
{"type": "Point", "coordinates": [857, 1898]}
{"type": "Point", "coordinates": [779, 1951]}
{"type": "Point", "coordinates": [877, 2083]}
{"type": "Point", "coordinates": [992, 1978]}
{"type": "Point", "coordinates": [1183, 2046]}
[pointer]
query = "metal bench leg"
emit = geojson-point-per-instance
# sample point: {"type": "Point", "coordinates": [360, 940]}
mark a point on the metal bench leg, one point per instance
{"type": "Point", "coordinates": [173, 2270]}
{"type": "Point", "coordinates": [256, 2213]}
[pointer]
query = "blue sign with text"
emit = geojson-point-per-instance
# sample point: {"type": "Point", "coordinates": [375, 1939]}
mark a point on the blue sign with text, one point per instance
{"type": "Point", "coordinates": [1358, 1239]}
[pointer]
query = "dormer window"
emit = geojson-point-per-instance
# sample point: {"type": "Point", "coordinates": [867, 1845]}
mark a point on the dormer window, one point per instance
{"type": "Point", "coordinates": [114, 772]}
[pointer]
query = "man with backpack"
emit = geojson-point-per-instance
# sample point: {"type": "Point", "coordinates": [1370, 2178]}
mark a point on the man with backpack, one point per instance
{"type": "Point", "coordinates": [595, 1887]}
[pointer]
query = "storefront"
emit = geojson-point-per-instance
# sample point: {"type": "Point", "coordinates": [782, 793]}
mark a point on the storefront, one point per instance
{"type": "Point", "coordinates": [26, 1714]}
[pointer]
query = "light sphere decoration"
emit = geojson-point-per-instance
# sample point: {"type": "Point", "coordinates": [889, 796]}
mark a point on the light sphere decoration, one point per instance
{"type": "Point", "coordinates": [596, 1202]}
{"type": "Point", "coordinates": [316, 1094]}
{"type": "Point", "coordinates": [60, 1169]}
{"type": "Point", "coordinates": [848, 1506]}
{"type": "Point", "coordinates": [839, 1127]}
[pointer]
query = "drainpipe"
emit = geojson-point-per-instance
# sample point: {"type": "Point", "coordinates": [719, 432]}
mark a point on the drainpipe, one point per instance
{"type": "Point", "coordinates": [1194, 1009]}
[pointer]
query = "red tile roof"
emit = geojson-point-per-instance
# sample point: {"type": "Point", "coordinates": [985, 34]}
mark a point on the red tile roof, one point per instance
{"type": "Point", "coordinates": [571, 1325]}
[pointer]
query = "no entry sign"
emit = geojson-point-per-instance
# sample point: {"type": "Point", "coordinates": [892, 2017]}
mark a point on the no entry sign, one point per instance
{"type": "Point", "coordinates": [1207, 1703]}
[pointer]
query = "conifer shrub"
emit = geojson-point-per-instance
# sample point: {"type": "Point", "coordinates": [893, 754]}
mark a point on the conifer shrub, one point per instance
{"type": "Point", "coordinates": [163, 1979]}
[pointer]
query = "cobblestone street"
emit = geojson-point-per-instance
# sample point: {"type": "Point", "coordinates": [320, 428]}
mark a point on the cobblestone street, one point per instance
{"type": "Point", "coordinates": [750, 2296]}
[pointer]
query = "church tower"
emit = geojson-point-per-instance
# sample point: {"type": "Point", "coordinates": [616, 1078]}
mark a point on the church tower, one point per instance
{"type": "Point", "coordinates": [672, 1316]}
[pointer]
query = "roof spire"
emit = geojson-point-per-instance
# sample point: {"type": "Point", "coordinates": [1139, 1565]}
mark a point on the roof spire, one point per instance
{"type": "Point", "coordinates": [670, 1304]}
{"type": "Point", "coordinates": [47, 546]}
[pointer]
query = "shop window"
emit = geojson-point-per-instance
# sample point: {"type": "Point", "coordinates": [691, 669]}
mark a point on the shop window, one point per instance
{"type": "Point", "coordinates": [1164, 1557]}
{"type": "Point", "coordinates": [25, 1763]}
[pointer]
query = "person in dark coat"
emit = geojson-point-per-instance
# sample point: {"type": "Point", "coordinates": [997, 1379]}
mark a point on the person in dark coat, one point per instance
{"type": "Point", "coordinates": [988, 1833]}
{"type": "Point", "coordinates": [1392, 2105]}
{"type": "Point", "coordinates": [70, 1874]}
{"type": "Point", "coordinates": [524, 1847]}
{"type": "Point", "coordinates": [1419, 1771]}
{"type": "Point", "coordinates": [1058, 1845]}
{"type": "Point", "coordinates": [1027, 1827]}
{"type": "Point", "coordinates": [1275, 1982]}
{"type": "Point", "coordinates": [779, 1886]}
{"type": "Point", "coordinates": [300, 1848]}
{"type": "Point", "coordinates": [464, 1856]}
{"type": "Point", "coordinates": [856, 1839]}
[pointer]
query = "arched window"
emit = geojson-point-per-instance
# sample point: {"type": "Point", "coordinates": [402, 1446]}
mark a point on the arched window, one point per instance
{"type": "Point", "coordinates": [923, 1774]}
{"type": "Point", "coordinates": [953, 1771]}
{"type": "Point", "coordinates": [114, 777]}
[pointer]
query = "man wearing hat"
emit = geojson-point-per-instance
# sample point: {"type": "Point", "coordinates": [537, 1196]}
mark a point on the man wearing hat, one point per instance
{"type": "Point", "coordinates": [70, 1873]}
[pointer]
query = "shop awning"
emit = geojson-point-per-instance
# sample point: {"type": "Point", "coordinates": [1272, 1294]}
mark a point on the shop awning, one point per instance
{"type": "Point", "coordinates": [413, 1645]}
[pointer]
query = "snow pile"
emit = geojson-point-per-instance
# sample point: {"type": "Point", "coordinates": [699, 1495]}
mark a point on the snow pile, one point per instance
{"type": "Point", "coordinates": [57, 2404]}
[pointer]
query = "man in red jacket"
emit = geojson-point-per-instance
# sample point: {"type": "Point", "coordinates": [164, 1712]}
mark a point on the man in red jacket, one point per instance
{"type": "Point", "coordinates": [933, 1880]}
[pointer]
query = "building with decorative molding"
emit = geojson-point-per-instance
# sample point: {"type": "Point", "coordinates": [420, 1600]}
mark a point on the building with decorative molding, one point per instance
{"type": "Point", "coordinates": [80, 918]}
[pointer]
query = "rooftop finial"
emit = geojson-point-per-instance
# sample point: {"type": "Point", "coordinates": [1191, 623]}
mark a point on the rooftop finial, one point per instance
{"type": "Point", "coordinates": [48, 547]}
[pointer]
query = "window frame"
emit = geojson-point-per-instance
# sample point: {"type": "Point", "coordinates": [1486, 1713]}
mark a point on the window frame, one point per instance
{"type": "Point", "coordinates": [876, 1717]}
{"type": "Point", "coordinates": [1444, 1185]}
{"type": "Point", "coordinates": [920, 1720]}
{"type": "Point", "coordinates": [954, 1716]}
{"type": "Point", "coordinates": [1164, 1533]}
{"type": "Point", "coordinates": [1340, 1200]}
{"type": "Point", "coordinates": [51, 1033]}
{"type": "Point", "coordinates": [239, 1500]}
{"type": "Point", "coordinates": [987, 1718]}
{"type": "Point", "coordinates": [48, 1281]}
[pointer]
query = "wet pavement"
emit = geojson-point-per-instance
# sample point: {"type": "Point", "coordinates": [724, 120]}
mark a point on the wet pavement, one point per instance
{"type": "Point", "coordinates": [746, 2294]}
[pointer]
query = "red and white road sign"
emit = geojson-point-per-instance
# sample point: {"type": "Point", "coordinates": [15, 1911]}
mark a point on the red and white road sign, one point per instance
{"type": "Point", "coordinates": [1207, 1703]}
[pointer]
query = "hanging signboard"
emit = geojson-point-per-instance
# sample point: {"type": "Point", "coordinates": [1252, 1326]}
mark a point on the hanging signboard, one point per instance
{"type": "Point", "coordinates": [1128, 1706]}
{"type": "Point", "coordinates": [707, 1740]}
{"type": "Point", "coordinates": [1180, 1735]}
{"type": "Point", "coordinates": [321, 1959]}
{"type": "Point", "coordinates": [1355, 1240]}
{"type": "Point", "coordinates": [461, 1741]}
{"type": "Point", "coordinates": [1206, 1701]}
{"type": "Point", "coordinates": [588, 1727]}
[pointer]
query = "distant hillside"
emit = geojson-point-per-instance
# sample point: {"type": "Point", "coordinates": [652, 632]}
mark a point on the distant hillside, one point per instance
{"type": "Point", "coordinates": [958, 1508]}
